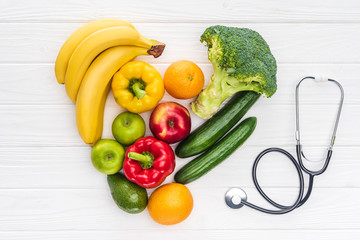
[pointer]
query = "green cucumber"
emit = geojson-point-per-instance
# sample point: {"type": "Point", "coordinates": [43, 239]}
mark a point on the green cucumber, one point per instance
{"type": "Point", "coordinates": [213, 129]}
{"type": "Point", "coordinates": [217, 153]}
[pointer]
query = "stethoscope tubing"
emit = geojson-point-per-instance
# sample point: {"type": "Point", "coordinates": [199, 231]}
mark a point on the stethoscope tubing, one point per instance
{"type": "Point", "coordinates": [282, 209]}
{"type": "Point", "coordinates": [300, 168]}
{"type": "Point", "coordinates": [299, 165]}
{"type": "Point", "coordinates": [300, 156]}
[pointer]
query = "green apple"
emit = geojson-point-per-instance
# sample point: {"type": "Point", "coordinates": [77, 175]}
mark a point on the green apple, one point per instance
{"type": "Point", "coordinates": [107, 156]}
{"type": "Point", "coordinates": [127, 127]}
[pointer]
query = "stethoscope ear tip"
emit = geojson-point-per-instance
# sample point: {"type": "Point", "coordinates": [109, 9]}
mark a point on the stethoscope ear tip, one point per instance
{"type": "Point", "coordinates": [235, 197]}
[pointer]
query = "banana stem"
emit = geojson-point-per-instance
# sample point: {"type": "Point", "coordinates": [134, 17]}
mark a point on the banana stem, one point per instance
{"type": "Point", "coordinates": [156, 50]}
{"type": "Point", "coordinates": [139, 93]}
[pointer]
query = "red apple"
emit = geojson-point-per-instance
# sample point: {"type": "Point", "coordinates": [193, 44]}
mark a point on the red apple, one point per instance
{"type": "Point", "coordinates": [170, 122]}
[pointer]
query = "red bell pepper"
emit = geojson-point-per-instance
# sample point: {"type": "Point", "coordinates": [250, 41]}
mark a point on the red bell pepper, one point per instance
{"type": "Point", "coordinates": [148, 162]}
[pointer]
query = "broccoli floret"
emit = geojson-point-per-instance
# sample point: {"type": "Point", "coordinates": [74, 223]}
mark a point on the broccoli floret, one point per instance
{"type": "Point", "coordinates": [242, 61]}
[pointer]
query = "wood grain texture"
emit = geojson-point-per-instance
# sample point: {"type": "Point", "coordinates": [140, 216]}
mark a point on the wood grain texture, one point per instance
{"type": "Point", "coordinates": [71, 168]}
{"type": "Point", "coordinates": [49, 188]}
{"type": "Point", "coordinates": [94, 209]}
{"type": "Point", "coordinates": [166, 234]}
{"type": "Point", "coordinates": [55, 125]}
{"type": "Point", "coordinates": [290, 42]}
{"type": "Point", "coordinates": [182, 11]}
{"type": "Point", "coordinates": [35, 84]}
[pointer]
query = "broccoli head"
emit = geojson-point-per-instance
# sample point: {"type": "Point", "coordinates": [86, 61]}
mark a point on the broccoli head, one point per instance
{"type": "Point", "coordinates": [242, 61]}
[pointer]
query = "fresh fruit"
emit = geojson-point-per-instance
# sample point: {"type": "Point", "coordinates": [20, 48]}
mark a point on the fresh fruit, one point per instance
{"type": "Point", "coordinates": [107, 156]}
{"type": "Point", "coordinates": [127, 127]}
{"type": "Point", "coordinates": [170, 204]}
{"type": "Point", "coordinates": [127, 195]}
{"type": "Point", "coordinates": [137, 87]}
{"type": "Point", "coordinates": [183, 79]}
{"type": "Point", "coordinates": [217, 153]}
{"type": "Point", "coordinates": [96, 43]}
{"type": "Point", "coordinates": [87, 62]}
{"type": "Point", "coordinates": [77, 37]}
{"type": "Point", "coordinates": [170, 122]}
{"type": "Point", "coordinates": [213, 129]}
{"type": "Point", "coordinates": [148, 162]}
{"type": "Point", "coordinates": [90, 102]}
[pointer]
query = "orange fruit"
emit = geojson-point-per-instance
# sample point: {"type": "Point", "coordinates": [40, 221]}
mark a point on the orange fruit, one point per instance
{"type": "Point", "coordinates": [170, 204]}
{"type": "Point", "coordinates": [183, 79]}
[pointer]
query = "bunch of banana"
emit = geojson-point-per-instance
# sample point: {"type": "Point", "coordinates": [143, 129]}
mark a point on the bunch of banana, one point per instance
{"type": "Point", "coordinates": [88, 60]}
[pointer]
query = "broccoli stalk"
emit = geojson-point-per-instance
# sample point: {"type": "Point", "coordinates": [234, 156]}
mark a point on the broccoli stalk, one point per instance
{"type": "Point", "coordinates": [242, 61]}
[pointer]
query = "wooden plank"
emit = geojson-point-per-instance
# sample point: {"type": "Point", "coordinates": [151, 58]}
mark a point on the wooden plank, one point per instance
{"type": "Point", "coordinates": [290, 43]}
{"type": "Point", "coordinates": [165, 234]}
{"type": "Point", "coordinates": [184, 11]}
{"type": "Point", "coordinates": [55, 125]}
{"type": "Point", "coordinates": [36, 84]}
{"type": "Point", "coordinates": [55, 210]}
{"type": "Point", "coordinates": [71, 168]}
{"type": "Point", "coordinates": [48, 187]}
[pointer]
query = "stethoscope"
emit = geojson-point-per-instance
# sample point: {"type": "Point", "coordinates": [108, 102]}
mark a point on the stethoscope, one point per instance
{"type": "Point", "coordinates": [240, 195]}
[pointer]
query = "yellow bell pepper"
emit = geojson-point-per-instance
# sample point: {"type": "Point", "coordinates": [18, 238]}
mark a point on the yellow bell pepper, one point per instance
{"type": "Point", "coordinates": [138, 87]}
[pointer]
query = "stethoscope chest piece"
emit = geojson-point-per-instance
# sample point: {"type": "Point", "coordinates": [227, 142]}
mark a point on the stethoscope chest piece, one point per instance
{"type": "Point", "coordinates": [235, 197]}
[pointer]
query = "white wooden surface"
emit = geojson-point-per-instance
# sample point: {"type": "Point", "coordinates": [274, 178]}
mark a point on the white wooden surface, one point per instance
{"type": "Point", "coordinates": [48, 187]}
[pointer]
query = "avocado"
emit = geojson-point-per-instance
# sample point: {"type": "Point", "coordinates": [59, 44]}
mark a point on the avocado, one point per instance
{"type": "Point", "coordinates": [129, 196]}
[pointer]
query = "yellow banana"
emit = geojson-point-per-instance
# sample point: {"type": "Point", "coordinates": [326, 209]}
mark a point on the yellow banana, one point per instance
{"type": "Point", "coordinates": [77, 37]}
{"type": "Point", "coordinates": [96, 43]}
{"type": "Point", "coordinates": [99, 128]}
{"type": "Point", "coordinates": [90, 102]}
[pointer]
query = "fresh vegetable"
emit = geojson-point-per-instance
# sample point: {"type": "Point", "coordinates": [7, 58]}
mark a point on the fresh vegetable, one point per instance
{"type": "Point", "coordinates": [107, 156]}
{"type": "Point", "coordinates": [170, 122]}
{"type": "Point", "coordinates": [148, 162]}
{"type": "Point", "coordinates": [88, 60]}
{"type": "Point", "coordinates": [213, 129]}
{"type": "Point", "coordinates": [170, 204]}
{"type": "Point", "coordinates": [217, 153]}
{"type": "Point", "coordinates": [242, 61]}
{"type": "Point", "coordinates": [127, 127]}
{"type": "Point", "coordinates": [183, 79]}
{"type": "Point", "coordinates": [127, 195]}
{"type": "Point", "coordinates": [138, 87]}
{"type": "Point", "coordinates": [77, 37]}
{"type": "Point", "coordinates": [97, 42]}
{"type": "Point", "coordinates": [95, 87]}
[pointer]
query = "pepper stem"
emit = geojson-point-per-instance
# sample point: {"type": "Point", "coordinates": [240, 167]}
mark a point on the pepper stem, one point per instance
{"type": "Point", "coordinates": [139, 93]}
{"type": "Point", "coordinates": [146, 159]}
